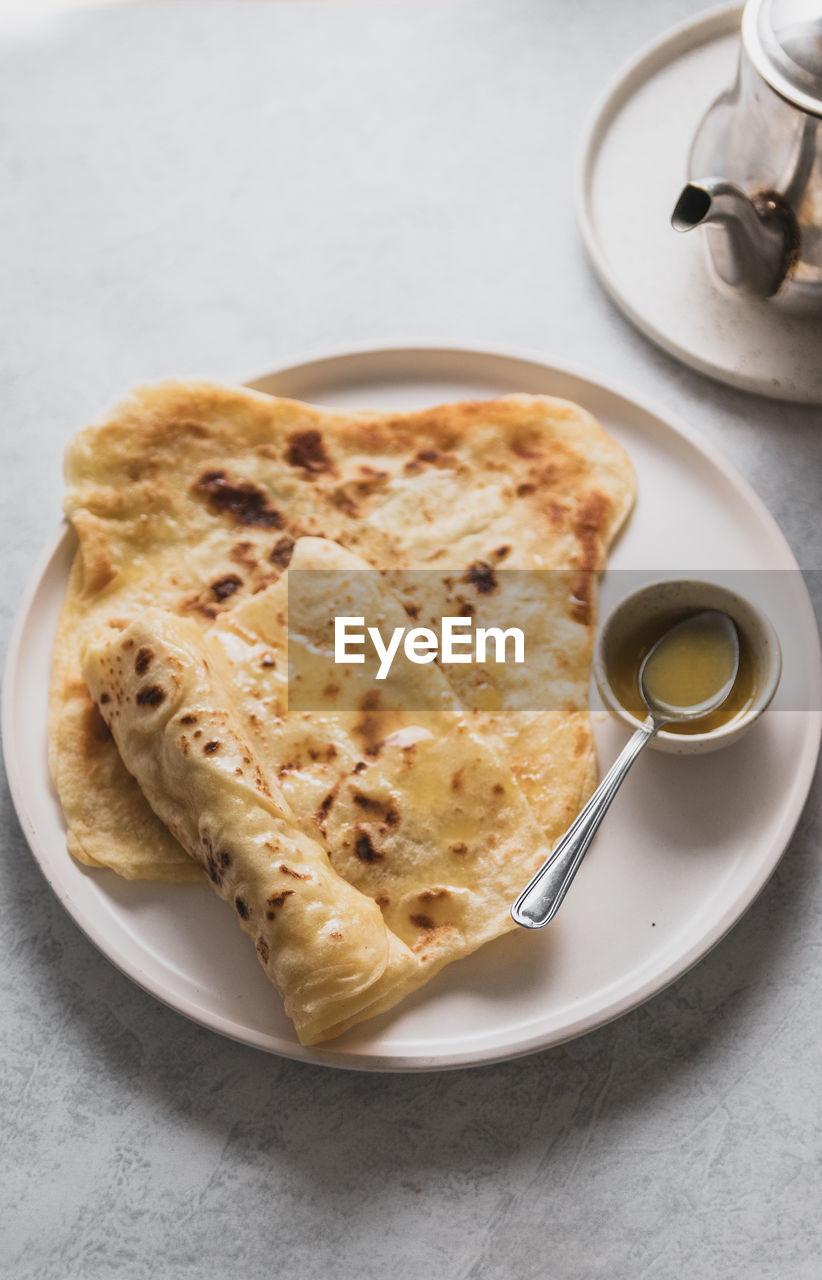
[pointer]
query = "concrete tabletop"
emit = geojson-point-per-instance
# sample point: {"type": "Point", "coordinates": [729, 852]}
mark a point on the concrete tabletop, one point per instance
{"type": "Point", "coordinates": [209, 189]}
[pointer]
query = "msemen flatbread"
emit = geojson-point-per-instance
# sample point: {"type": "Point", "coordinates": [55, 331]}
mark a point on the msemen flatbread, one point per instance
{"type": "Point", "coordinates": [190, 496]}
{"type": "Point", "coordinates": [190, 502]}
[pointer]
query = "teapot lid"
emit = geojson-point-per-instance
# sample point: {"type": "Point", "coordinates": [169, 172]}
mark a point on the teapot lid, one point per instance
{"type": "Point", "coordinates": [784, 41]}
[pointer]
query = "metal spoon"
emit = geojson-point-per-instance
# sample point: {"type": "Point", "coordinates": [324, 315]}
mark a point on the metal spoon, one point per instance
{"type": "Point", "coordinates": [540, 900]}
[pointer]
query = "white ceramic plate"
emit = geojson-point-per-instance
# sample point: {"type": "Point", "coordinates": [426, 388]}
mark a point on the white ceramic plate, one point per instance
{"type": "Point", "coordinates": [686, 848]}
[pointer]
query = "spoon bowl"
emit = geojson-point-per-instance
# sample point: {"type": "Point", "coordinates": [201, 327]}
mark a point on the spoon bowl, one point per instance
{"type": "Point", "coordinates": [692, 668]}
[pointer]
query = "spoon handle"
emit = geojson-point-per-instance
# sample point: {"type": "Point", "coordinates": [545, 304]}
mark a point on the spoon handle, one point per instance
{"type": "Point", "coordinates": [541, 898]}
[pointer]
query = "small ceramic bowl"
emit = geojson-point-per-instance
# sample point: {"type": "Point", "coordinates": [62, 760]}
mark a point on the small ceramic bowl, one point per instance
{"type": "Point", "coordinates": [662, 603]}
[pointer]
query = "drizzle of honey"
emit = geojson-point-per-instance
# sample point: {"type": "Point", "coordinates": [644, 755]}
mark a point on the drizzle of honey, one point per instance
{"type": "Point", "coordinates": [687, 674]}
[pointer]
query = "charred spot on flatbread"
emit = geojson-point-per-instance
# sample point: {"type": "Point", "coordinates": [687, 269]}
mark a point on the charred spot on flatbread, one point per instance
{"type": "Point", "coordinates": [142, 660]}
{"type": "Point", "coordinates": [243, 501]}
{"type": "Point", "coordinates": [481, 576]}
{"type": "Point", "coordinates": [276, 900]}
{"type": "Point", "coordinates": [222, 588]}
{"type": "Point", "coordinates": [307, 450]}
{"type": "Point", "coordinates": [380, 808]}
{"type": "Point", "coordinates": [151, 695]}
{"type": "Point", "coordinates": [364, 848]}
{"type": "Point", "coordinates": [281, 552]}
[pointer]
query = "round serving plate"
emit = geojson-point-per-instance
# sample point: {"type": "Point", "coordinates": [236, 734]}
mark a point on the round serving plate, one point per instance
{"type": "Point", "coordinates": [634, 165]}
{"type": "Point", "coordinates": [688, 844]}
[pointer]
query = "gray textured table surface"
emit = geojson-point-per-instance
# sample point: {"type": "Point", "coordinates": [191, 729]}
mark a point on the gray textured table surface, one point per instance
{"type": "Point", "coordinates": [210, 189]}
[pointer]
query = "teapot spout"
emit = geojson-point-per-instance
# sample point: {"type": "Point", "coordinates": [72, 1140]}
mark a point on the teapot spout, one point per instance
{"type": "Point", "coordinates": [753, 241]}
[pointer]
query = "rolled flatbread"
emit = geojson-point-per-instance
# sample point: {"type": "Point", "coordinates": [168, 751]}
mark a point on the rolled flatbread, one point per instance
{"type": "Point", "coordinates": [322, 943]}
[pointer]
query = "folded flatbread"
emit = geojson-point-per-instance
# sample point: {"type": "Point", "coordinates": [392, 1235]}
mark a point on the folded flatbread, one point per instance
{"type": "Point", "coordinates": [323, 944]}
{"type": "Point", "coordinates": [194, 500]}
{"type": "Point", "coordinates": [429, 834]}
{"type": "Point", "coordinates": [190, 496]}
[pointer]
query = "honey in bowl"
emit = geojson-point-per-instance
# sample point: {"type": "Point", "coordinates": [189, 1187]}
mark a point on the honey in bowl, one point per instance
{"type": "Point", "coordinates": [686, 672]}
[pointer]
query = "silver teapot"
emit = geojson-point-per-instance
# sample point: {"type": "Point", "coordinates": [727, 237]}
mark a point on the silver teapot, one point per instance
{"type": "Point", "coordinates": [756, 161]}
